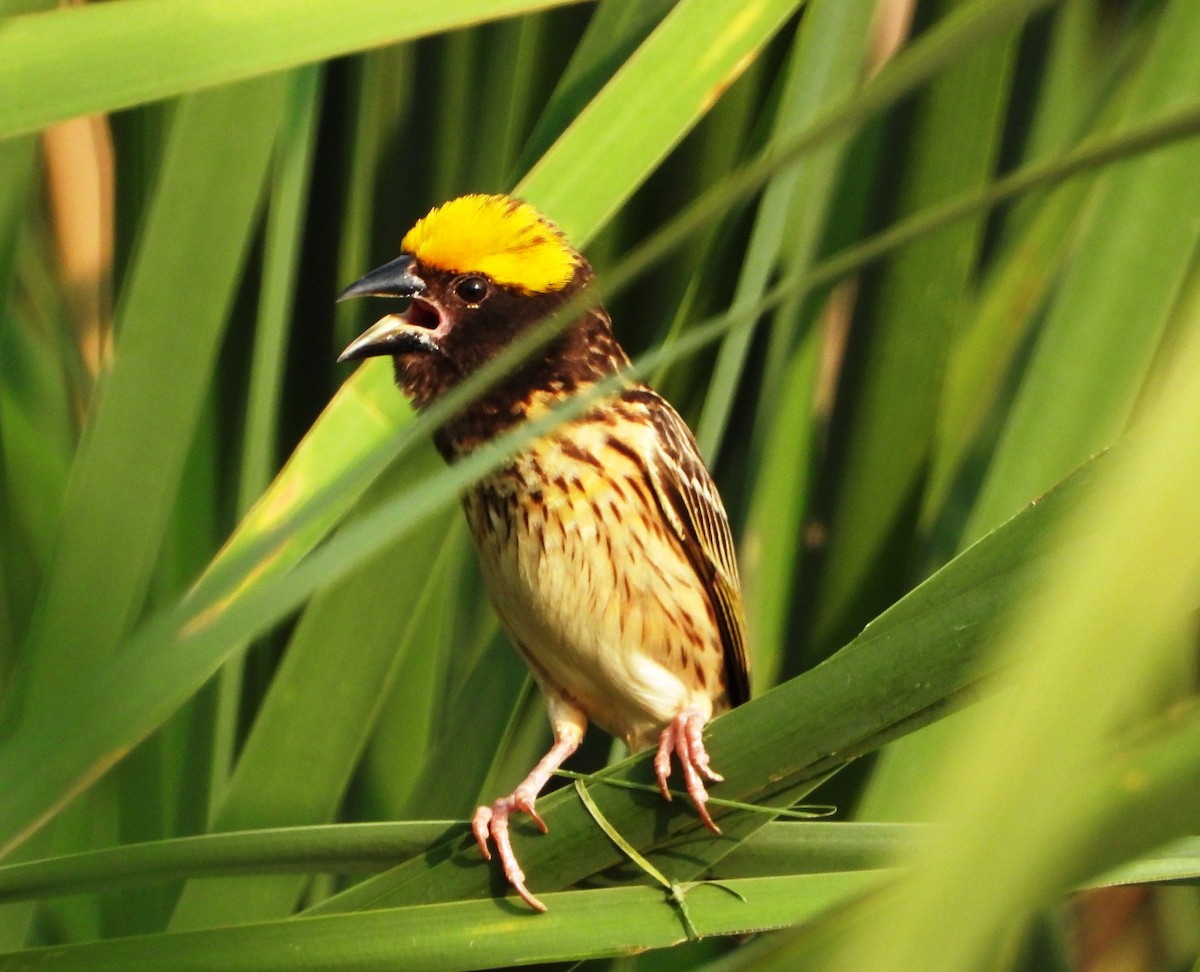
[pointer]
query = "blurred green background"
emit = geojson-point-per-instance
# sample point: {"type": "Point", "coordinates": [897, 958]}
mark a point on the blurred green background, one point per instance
{"type": "Point", "coordinates": [923, 278]}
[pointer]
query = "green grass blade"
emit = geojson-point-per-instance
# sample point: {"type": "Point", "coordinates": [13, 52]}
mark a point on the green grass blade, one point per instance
{"type": "Point", "coordinates": [580, 923]}
{"type": "Point", "coordinates": [496, 678]}
{"type": "Point", "coordinates": [812, 847]}
{"type": "Point", "coordinates": [503, 100]}
{"type": "Point", "coordinates": [419, 732]}
{"type": "Point", "coordinates": [888, 424]}
{"type": "Point", "coordinates": [118, 500]}
{"type": "Point", "coordinates": [1100, 337]}
{"type": "Point", "coordinates": [1005, 311]}
{"type": "Point", "coordinates": [37, 424]}
{"type": "Point", "coordinates": [702, 45]}
{"type": "Point", "coordinates": [817, 846]}
{"type": "Point", "coordinates": [1029, 770]}
{"type": "Point", "coordinates": [1179, 861]}
{"type": "Point", "coordinates": [379, 102]}
{"type": "Point", "coordinates": [615, 30]}
{"type": "Point", "coordinates": [827, 63]}
{"type": "Point", "coordinates": [151, 49]}
{"type": "Point", "coordinates": [345, 849]}
{"type": "Point", "coordinates": [281, 268]}
{"type": "Point", "coordinates": [317, 716]}
{"type": "Point", "coordinates": [260, 437]}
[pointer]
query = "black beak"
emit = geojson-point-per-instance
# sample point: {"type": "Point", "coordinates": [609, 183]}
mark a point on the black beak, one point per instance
{"type": "Point", "coordinates": [394, 279]}
{"type": "Point", "coordinates": [393, 334]}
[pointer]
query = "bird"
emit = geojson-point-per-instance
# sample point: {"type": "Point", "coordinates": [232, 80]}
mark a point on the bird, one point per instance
{"type": "Point", "coordinates": [604, 544]}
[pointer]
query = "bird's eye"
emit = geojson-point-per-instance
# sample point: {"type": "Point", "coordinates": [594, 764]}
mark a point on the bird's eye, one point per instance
{"type": "Point", "coordinates": [472, 290]}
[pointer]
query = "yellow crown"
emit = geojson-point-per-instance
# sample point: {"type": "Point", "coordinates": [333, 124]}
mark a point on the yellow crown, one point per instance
{"type": "Point", "coordinates": [502, 237]}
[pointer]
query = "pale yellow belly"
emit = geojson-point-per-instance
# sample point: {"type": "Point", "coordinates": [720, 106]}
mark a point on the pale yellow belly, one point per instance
{"type": "Point", "coordinates": [595, 590]}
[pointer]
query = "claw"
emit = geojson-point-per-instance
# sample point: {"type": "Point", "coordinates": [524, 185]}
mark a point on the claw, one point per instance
{"type": "Point", "coordinates": [684, 737]}
{"type": "Point", "coordinates": [492, 822]}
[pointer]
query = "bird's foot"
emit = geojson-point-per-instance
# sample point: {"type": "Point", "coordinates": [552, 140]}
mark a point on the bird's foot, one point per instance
{"type": "Point", "coordinates": [683, 736]}
{"type": "Point", "coordinates": [492, 822]}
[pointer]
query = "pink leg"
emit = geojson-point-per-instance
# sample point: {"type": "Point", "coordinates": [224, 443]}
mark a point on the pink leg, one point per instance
{"type": "Point", "coordinates": [683, 737]}
{"type": "Point", "coordinates": [493, 821]}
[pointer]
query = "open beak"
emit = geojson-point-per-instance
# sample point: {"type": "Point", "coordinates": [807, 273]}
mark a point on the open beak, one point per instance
{"type": "Point", "coordinates": [412, 330]}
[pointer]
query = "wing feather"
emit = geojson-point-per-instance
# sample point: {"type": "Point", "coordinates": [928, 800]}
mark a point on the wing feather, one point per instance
{"type": "Point", "coordinates": [690, 502]}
